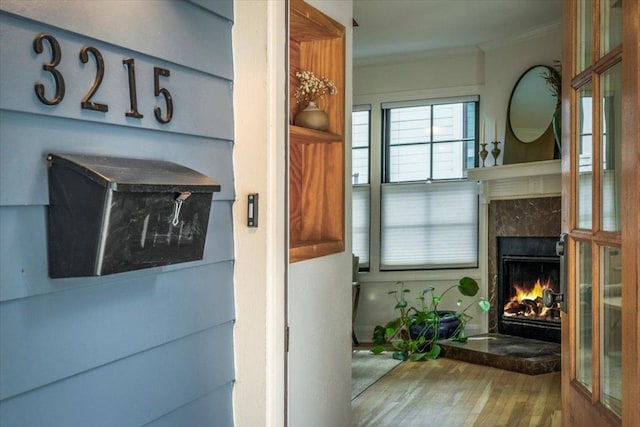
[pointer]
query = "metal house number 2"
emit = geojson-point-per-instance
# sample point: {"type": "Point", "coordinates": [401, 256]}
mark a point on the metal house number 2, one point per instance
{"type": "Point", "coordinates": [86, 102]}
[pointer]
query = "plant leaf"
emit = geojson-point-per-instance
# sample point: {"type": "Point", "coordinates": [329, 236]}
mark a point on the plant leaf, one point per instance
{"type": "Point", "coordinates": [460, 336]}
{"type": "Point", "coordinates": [435, 352]}
{"type": "Point", "coordinates": [400, 355]}
{"type": "Point", "coordinates": [484, 305]}
{"type": "Point", "coordinates": [417, 357]}
{"type": "Point", "coordinates": [400, 346]}
{"type": "Point", "coordinates": [401, 304]}
{"type": "Point", "coordinates": [379, 335]}
{"type": "Point", "coordinates": [377, 349]}
{"type": "Point", "coordinates": [430, 316]}
{"type": "Point", "coordinates": [468, 286]}
{"type": "Point", "coordinates": [394, 324]}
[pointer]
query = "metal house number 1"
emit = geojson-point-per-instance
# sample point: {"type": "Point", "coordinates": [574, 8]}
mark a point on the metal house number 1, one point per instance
{"type": "Point", "coordinates": [86, 103]}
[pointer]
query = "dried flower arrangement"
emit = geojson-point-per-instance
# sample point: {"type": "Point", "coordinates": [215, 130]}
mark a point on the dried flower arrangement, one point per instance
{"type": "Point", "coordinates": [312, 87]}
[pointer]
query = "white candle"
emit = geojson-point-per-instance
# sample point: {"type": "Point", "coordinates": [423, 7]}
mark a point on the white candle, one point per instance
{"type": "Point", "coordinates": [483, 132]}
{"type": "Point", "coordinates": [495, 130]}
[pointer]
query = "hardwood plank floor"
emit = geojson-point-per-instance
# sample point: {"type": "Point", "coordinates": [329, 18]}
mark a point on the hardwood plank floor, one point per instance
{"type": "Point", "coordinates": [450, 393]}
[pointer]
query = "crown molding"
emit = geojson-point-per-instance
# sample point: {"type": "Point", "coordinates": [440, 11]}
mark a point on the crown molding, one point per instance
{"type": "Point", "coordinates": [523, 37]}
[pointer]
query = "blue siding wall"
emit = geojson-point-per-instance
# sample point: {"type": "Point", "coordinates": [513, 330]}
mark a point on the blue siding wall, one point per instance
{"type": "Point", "coordinates": [148, 347]}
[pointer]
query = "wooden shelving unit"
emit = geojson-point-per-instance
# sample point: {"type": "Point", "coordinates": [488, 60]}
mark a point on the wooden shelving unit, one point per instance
{"type": "Point", "coordinates": [316, 168]}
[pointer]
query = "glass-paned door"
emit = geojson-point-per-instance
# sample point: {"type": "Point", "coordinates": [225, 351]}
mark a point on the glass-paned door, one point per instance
{"type": "Point", "coordinates": [600, 334]}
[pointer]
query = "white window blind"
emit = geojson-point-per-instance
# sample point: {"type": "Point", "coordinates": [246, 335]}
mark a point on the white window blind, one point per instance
{"type": "Point", "coordinates": [360, 223]}
{"type": "Point", "coordinates": [429, 225]}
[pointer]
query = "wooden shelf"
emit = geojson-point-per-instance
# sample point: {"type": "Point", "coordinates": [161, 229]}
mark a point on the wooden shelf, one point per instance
{"type": "Point", "coordinates": [316, 159]}
{"type": "Point", "coordinates": [308, 250]}
{"type": "Point", "coordinates": [310, 136]}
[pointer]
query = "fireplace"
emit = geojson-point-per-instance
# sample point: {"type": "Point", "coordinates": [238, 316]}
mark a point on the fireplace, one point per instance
{"type": "Point", "coordinates": [526, 266]}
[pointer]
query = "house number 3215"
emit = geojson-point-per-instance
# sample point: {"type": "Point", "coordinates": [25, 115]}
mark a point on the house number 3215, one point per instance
{"type": "Point", "coordinates": [86, 54]}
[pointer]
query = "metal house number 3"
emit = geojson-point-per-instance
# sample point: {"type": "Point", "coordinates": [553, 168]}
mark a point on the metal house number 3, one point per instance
{"type": "Point", "coordinates": [86, 103]}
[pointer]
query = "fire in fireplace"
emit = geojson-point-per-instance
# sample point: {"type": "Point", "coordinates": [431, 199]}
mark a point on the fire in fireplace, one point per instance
{"type": "Point", "coordinates": [526, 267]}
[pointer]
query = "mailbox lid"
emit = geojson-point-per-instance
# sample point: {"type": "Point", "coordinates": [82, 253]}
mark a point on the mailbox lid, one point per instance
{"type": "Point", "coordinates": [136, 175]}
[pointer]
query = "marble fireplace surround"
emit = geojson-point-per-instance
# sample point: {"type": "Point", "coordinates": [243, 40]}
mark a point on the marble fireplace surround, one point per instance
{"type": "Point", "coordinates": [539, 217]}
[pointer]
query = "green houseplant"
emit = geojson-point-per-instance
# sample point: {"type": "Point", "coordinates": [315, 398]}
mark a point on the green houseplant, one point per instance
{"type": "Point", "coordinates": [414, 334]}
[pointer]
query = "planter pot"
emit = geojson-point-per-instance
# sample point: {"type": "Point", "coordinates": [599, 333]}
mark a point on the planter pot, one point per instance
{"type": "Point", "coordinates": [446, 327]}
{"type": "Point", "coordinates": [312, 117]}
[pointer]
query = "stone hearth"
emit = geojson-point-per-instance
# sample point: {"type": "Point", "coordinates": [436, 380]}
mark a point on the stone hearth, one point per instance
{"type": "Point", "coordinates": [507, 352]}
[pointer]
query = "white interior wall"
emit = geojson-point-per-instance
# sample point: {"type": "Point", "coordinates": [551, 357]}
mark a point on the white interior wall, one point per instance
{"type": "Point", "coordinates": [491, 73]}
{"type": "Point", "coordinates": [320, 303]}
{"type": "Point", "coordinates": [445, 70]}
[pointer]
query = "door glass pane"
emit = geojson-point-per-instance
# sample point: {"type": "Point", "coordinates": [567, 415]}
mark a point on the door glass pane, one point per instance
{"type": "Point", "coordinates": [611, 329]}
{"type": "Point", "coordinates": [584, 368]}
{"type": "Point", "coordinates": [584, 156]}
{"type": "Point", "coordinates": [611, 179]}
{"type": "Point", "coordinates": [610, 25]}
{"type": "Point", "coordinates": [585, 34]}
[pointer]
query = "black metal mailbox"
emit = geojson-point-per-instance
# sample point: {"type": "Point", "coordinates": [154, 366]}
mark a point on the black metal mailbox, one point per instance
{"type": "Point", "coordinates": [109, 215]}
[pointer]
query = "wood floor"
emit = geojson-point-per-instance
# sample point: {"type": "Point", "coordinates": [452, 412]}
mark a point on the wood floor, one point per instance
{"type": "Point", "coordinates": [450, 393]}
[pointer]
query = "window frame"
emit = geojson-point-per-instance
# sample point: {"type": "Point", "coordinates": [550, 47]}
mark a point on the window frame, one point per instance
{"type": "Point", "coordinates": [376, 101]}
{"type": "Point", "coordinates": [364, 264]}
{"type": "Point", "coordinates": [358, 109]}
{"type": "Point", "coordinates": [431, 142]}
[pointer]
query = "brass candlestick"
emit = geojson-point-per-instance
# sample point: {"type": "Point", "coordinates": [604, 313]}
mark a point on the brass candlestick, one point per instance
{"type": "Point", "coordinates": [483, 153]}
{"type": "Point", "coordinates": [495, 152]}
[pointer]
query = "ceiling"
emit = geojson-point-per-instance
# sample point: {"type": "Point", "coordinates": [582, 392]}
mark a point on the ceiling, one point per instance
{"type": "Point", "coordinates": [421, 27]}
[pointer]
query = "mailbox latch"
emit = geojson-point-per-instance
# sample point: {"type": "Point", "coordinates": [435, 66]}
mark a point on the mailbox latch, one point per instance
{"type": "Point", "coordinates": [180, 198]}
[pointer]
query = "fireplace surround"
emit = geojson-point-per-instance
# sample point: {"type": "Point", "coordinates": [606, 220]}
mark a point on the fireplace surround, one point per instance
{"type": "Point", "coordinates": [524, 217]}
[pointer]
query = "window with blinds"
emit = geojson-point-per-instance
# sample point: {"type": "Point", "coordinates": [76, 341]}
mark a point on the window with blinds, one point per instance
{"type": "Point", "coordinates": [429, 225]}
{"type": "Point", "coordinates": [428, 210]}
{"type": "Point", "coordinates": [360, 142]}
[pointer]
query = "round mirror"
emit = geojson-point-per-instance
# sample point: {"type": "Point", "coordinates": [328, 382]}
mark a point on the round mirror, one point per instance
{"type": "Point", "coordinates": [532, 104]}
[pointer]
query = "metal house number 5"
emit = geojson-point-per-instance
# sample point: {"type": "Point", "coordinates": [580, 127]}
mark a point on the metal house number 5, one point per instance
{"type": "Point", "coordinates": [157, 72]}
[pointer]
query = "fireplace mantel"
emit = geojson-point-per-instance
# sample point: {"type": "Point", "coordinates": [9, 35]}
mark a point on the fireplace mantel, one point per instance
{"type": "Point", "coordinates": [547, 167]}
{"type": "Point", "coordinates": [518, 181]}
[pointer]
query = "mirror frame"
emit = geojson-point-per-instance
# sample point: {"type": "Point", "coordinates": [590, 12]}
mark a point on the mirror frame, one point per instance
{"type": "Point", "coordinates": [542, 148]}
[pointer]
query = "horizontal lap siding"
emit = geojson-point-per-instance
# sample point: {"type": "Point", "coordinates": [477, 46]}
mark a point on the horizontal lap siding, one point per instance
{"type": "Point", "coordinates": [25, 141]}
{"type": "Point", "coordinates": [24, 254]}
{"type": "Point", "coordinates": [53, 336]}
{"type": "Point", "coordinates": [196, 38]}
{"type": "Point", "coordinates": [147, 347]}
{"type": "Point", "coordinates": [132, 391]}
{"type": "Point", "coordinates": [207, 411]}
